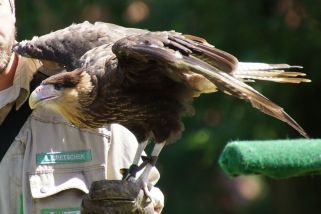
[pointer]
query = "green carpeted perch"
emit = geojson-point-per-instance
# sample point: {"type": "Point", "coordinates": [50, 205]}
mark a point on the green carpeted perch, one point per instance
{"type": "Point", "coordinates": [275, 158]}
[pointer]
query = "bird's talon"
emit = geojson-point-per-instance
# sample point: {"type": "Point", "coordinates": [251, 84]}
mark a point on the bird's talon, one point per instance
{"type": "Point", "coordinates": [123, 171]}
{"type": "Point", "coordinates": [130, 174]}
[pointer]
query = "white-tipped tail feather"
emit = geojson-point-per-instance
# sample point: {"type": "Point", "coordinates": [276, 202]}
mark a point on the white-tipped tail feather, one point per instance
{"type": "Point", "coordinates": [268, 72]}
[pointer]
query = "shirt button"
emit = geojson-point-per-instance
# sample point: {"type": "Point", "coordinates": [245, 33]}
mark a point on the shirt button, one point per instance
{"type": "Point", "coordinates": [43, 190]}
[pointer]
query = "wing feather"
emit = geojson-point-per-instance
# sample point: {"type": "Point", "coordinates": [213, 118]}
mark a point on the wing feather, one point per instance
{"type": "Point", "coordinates": [161, 48]}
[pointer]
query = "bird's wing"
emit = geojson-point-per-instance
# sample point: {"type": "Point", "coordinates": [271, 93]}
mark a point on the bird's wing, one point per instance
{"type": "Point", "coordinates": [178, 54]}
{"type": "Point", "coordinates": [66, 46]}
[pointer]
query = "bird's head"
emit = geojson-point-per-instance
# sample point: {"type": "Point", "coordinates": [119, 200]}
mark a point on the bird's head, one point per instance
{"type": "Point", "coordinates": [65, 93]}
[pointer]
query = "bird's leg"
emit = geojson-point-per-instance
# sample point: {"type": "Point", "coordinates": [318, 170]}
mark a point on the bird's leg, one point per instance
{"type": "Point", "coordinates": [133, 169]}
{"type": "Point", "coordinates": [143, 178]}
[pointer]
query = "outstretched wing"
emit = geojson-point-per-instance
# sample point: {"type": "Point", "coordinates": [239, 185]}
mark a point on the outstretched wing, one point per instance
{"type": "Point", "coordinates": [66, 46]}
{"type": "Point", "coordinates": [180, 56]}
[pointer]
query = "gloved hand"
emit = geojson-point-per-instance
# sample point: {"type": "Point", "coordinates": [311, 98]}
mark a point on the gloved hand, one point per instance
{"type": "Point", "coordinates": [115, 196]}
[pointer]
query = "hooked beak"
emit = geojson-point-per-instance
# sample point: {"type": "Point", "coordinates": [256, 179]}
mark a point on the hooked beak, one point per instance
{"type": "Point", "coordinates": [41, 94]}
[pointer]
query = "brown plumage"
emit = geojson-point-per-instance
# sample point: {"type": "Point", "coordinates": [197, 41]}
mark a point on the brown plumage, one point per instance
{"type": "Point", "coordinates": [145, 80]}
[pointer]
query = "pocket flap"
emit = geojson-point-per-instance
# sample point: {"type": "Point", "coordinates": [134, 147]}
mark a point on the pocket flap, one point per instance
{"type": "Point", "coordinates": [50, 183]}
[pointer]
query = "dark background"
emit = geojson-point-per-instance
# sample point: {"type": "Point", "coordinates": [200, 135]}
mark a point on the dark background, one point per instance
{"type": "Point", "coordinates": [273, 31]}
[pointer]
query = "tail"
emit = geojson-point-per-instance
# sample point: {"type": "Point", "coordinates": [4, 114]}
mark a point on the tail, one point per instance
{"type": "Point", "coordinates": [233, 86]}
{"type": "Point", "coordinates": [280, 73]}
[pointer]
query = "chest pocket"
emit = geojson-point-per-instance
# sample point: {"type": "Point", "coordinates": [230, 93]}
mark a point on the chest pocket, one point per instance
{"type": "Point", "coordinates": [63, 162]}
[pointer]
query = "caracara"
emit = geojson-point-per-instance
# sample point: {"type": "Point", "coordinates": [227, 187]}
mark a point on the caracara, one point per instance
{"type": "Point", "coordinates": [143, 80]}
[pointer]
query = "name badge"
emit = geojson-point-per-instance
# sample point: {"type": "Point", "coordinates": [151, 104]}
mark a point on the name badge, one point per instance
{"type": "Point", "coordinates": [64, 157]}
{"type": "Point", "coordinates": [61, 211]}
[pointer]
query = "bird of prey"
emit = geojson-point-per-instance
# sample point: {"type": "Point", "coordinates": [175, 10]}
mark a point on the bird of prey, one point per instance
{"type": "Point", "coordinates": [143, 80]}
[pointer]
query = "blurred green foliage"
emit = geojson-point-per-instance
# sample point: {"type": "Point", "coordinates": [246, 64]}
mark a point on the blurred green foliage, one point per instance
{"type": "Point", "coordinates": [273, 31]}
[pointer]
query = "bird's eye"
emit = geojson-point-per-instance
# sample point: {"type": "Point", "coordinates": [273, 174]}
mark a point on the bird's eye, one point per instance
{"type": "Point", "coordinates": [58, 87]}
